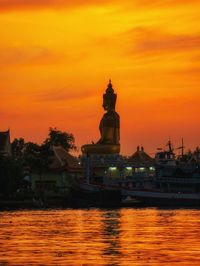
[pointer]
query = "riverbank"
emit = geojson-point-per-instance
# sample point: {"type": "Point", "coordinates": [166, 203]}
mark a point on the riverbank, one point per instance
{"type": "Point", "coordinates": [56, 202]}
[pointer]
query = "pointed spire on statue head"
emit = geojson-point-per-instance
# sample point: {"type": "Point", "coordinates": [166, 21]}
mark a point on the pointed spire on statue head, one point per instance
{"type": "Point", "coordinates": [109, 88]}
{"type": "Point", "coordinates": [109, 97]}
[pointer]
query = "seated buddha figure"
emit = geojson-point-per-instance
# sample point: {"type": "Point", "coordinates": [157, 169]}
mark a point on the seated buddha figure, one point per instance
{"type": "Point", "coordinates": [109, 127]}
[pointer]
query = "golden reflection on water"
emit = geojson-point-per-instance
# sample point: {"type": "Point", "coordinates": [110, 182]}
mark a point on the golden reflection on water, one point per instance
{"type": "Point", "coordinates": [100, 237]}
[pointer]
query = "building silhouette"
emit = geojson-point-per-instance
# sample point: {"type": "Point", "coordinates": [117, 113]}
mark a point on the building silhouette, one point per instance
{"type": "Point", "coordinates": [5, 145]}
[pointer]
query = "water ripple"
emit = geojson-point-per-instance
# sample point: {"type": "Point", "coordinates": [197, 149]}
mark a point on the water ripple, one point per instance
{"type": "Point", "coordinates": [100, 237]}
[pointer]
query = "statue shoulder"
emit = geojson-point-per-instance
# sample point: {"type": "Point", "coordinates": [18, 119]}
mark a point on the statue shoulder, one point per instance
{"type": "Point", "coordinates": [110, 119]}
{"type": "Point", "coordinates": [117, 115]}
{"type": "Point", "coordinates": [111, 114]}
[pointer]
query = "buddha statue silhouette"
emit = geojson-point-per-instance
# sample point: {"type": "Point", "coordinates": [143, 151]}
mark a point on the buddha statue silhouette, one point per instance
{"type": "Point", "coordinates": [109, 127]}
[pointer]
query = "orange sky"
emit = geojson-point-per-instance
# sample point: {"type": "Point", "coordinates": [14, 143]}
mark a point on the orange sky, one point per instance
{"type": "Point", "coordinates": [56, 58]}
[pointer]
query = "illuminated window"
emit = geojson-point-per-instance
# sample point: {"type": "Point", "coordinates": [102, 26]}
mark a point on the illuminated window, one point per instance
{"type": "Point", "coordinates": [112, 168]}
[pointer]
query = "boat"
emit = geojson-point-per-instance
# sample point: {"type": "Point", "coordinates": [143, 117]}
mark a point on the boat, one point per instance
{"type": "Point", "coordinates": [168, 191]}
{"type": "Point", "coordinates": [175, 182]}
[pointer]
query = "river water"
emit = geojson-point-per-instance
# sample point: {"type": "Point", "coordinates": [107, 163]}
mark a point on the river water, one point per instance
{"type": "Point", "coordinates": [124, 236]}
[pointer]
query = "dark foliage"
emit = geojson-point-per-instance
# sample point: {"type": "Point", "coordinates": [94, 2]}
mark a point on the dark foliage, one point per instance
{"type": "Point", "coordinates": [57, 137]}
{"type": "Point", "coordinates": [30, 158]}
{"type": "Point", "coordinates": [11, 175]}
{"type": "Point", "coordinates": [18, 147]}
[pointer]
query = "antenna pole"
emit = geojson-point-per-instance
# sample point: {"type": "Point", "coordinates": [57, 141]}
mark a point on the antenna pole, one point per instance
{"type": "Point", "coordinates": [182, 147]}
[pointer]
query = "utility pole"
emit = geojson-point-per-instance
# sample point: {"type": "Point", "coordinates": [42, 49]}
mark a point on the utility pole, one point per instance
{"type": "Point", "coordinates": [182, 147]}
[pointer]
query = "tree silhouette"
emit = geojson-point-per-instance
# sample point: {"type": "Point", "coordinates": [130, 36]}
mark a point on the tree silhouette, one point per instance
{"type": "Point", "coordinates": [17, 147]}
{"type": "Point", "coordinates": [60, 138]}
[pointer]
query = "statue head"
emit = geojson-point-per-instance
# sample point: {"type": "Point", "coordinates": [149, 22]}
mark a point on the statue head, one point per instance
{"type": "Point", "coordinates": [109, 98]}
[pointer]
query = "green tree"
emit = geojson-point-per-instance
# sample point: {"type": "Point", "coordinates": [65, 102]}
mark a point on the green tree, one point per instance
{"type": "Point", "coordinates": [10, 176]}
{"type": "Point", "coordinates": [17, 147]}
{"type": "Point", "coordinates": [57, 137]}
{"type": "Point", "coordinates": [37, 157]}
{"type": "Point", "coordinates": [31, 155]}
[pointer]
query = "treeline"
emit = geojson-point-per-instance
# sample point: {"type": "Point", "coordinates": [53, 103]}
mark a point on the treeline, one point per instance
{"type": "Point", "coordinates": [32, 157]}
{"type": "Point", "coordinates": [37, 156]}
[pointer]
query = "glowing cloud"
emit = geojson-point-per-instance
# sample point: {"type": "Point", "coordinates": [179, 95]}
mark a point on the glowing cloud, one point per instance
{"type": "Point", "coordinates": [56, 58]}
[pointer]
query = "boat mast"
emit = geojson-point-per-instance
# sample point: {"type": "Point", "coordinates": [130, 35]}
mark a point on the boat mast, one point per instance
{"type": "Point", "coordinates": [169, 144]}
{"type": "Point", "coordinates": [182, 148]}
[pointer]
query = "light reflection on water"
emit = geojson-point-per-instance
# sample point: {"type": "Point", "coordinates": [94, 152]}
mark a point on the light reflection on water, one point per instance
{"type": "Point", "coordinates": [100, 237]}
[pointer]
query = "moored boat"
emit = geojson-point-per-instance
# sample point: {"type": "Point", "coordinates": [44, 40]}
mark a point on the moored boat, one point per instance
{"type": "Point", "coordinates": [175, 183]}
{"type": "Point", "coordinates": [166, 199]}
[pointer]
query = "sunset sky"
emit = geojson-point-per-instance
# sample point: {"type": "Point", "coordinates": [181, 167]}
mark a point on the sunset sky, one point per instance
{"type": "Point", "coordinates": [57, 56]}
